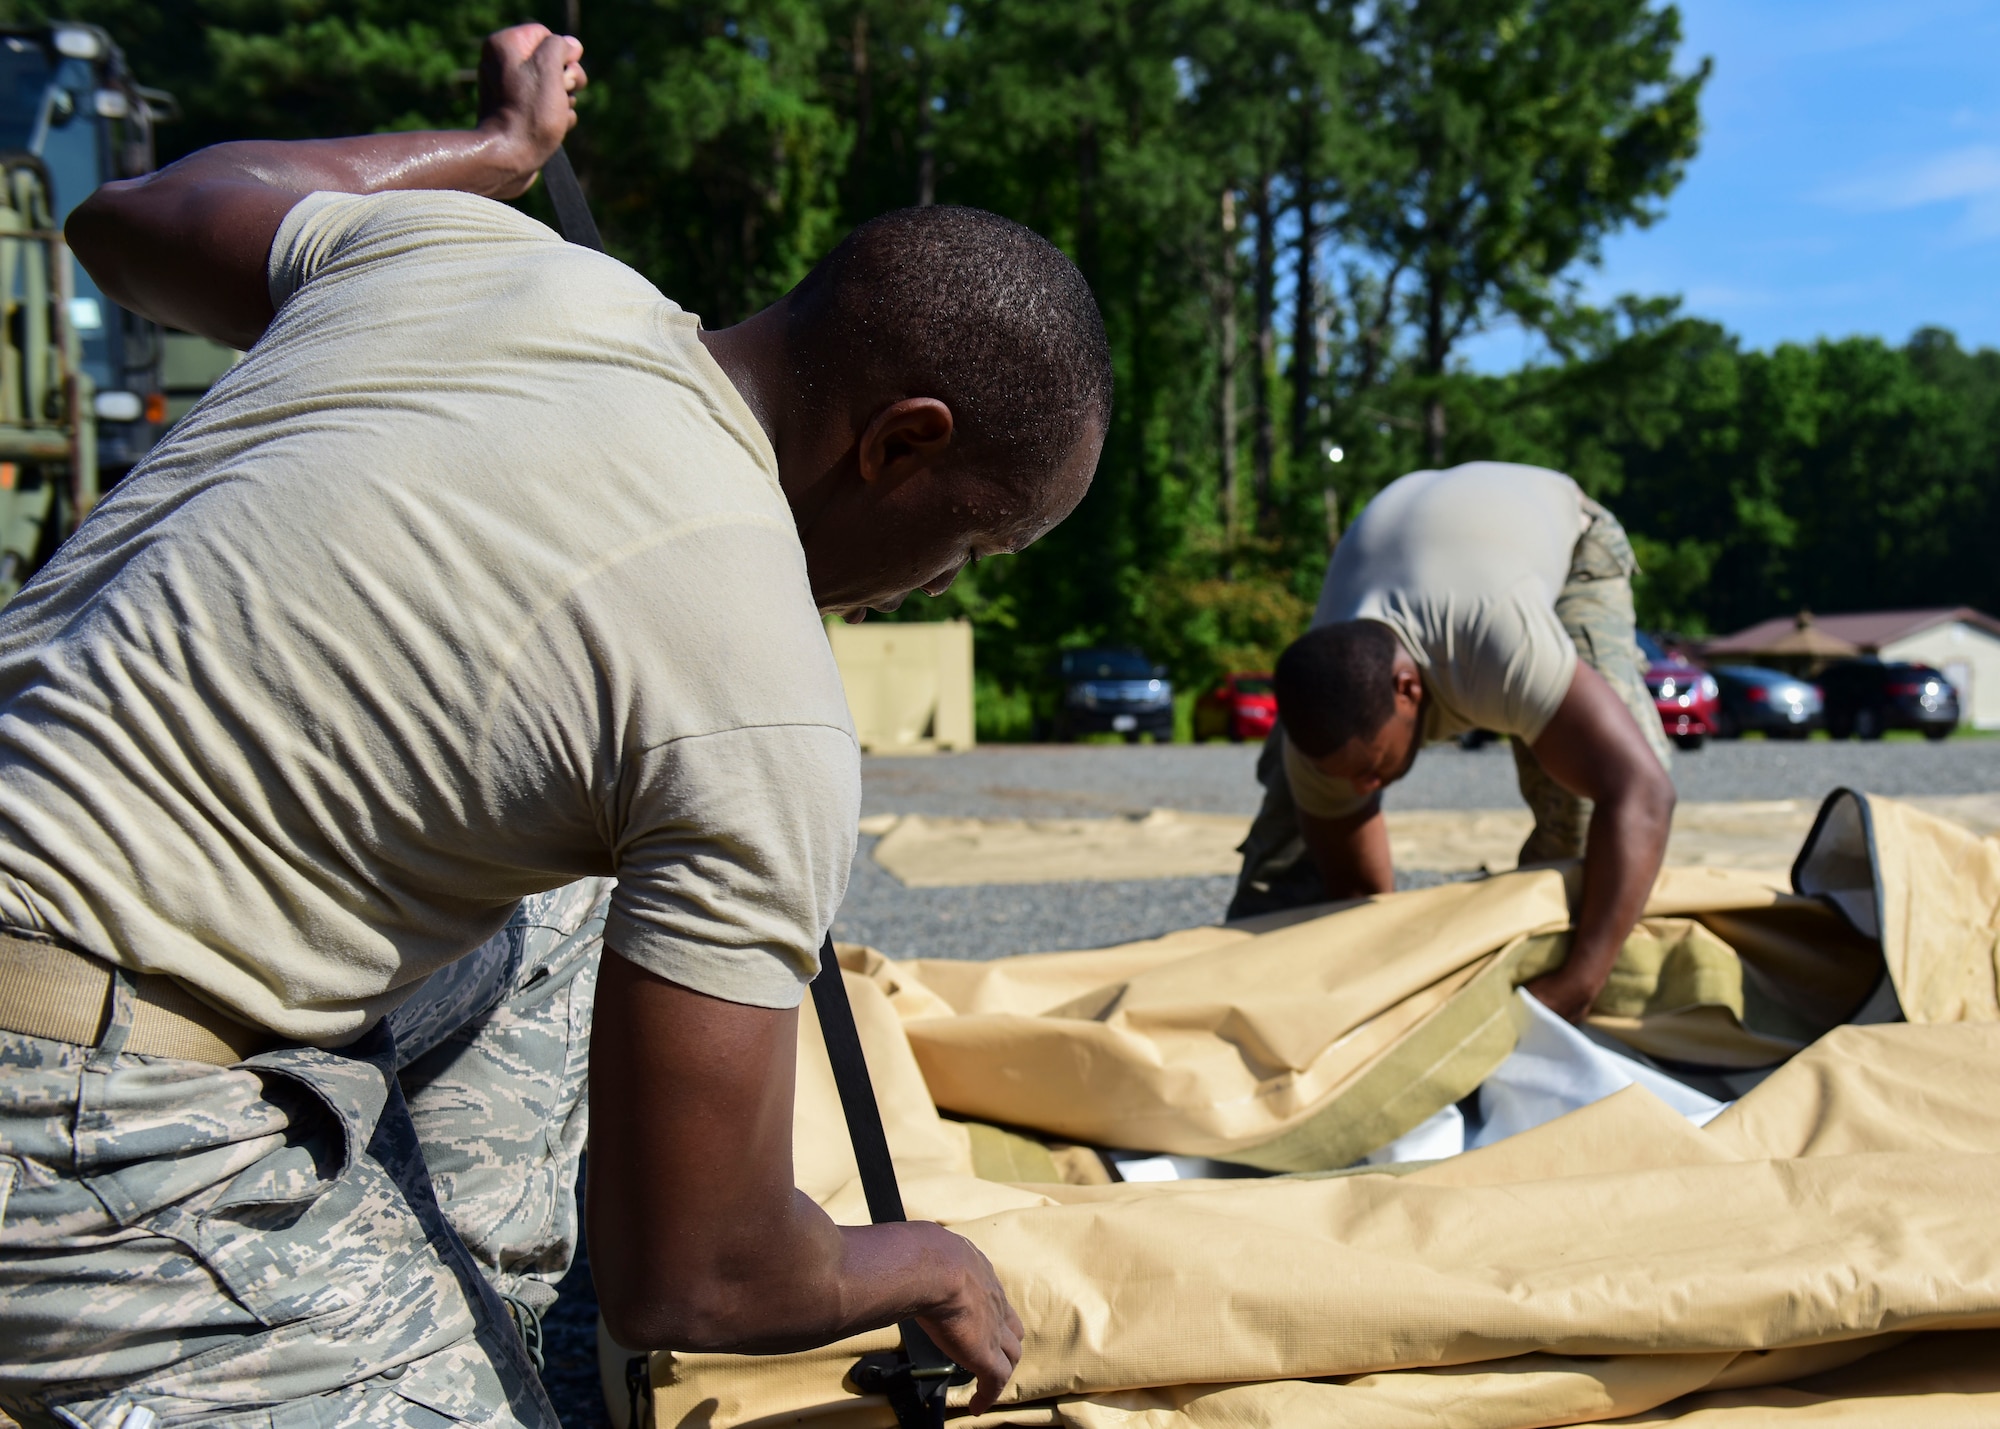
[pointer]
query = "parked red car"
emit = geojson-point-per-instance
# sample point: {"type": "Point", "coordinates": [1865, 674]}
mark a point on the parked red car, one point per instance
{"type": "Point", "coordinates": [1687, 697]}
{"type": "Point", "coordinates": [1243, 706]}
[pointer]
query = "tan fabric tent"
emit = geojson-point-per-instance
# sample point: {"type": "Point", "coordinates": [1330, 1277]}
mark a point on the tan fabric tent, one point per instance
{"type": "Point", "coordinates": [1822, 1253]}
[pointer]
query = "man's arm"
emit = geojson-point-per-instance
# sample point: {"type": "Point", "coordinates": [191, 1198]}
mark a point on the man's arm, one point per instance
{"type": "Point", "coordinates": [1352, 854]}
{"type": "Point", "coordinates": [187, 246]}
{"type": "Point", "coordinates": [1593, 749]}
{"type": "Point", "coordinates": [698, 1238]}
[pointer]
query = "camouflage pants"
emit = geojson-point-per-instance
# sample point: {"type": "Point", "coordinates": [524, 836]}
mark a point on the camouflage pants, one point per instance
{"type": "Point", "coordinates": [308, 1237]}
{"type": "Point", "coordinates": [1595, 608]}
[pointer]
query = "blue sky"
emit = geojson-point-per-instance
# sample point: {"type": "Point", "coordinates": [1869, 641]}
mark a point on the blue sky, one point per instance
{"type": "Point", "coordinates": [1848, 179]}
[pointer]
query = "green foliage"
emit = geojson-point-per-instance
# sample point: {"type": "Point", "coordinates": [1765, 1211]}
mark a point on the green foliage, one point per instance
{"type": "Point", "coordinates": [1844, 475]}
{"type": "Point", "coordinates": [295, 69]}
{"type": "Point", "coordinates": [1510, 138]}
{"type": "Point", "coordinates": [715, 145]}
{"type": "Point", "coordinates": [1671, 589]}
{"type": "Point", "coordinates": [1000, 714]}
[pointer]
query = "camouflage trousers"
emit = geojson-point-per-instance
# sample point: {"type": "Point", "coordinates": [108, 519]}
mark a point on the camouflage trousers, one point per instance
{"type": "Point", "coordinates": [1595, 608]}
{"type": "Point", "coordinates": [309, 1237]}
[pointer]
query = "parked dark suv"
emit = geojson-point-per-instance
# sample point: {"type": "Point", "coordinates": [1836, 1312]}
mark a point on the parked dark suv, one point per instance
{"type": "Point", "coordinates": [1868, 697]}
{"type": "Point", "coordinates": [1114, 691]}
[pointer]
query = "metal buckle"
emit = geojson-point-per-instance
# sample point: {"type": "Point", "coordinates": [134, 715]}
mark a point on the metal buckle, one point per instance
{"type": "Point", "coordinates": [915, 1392]}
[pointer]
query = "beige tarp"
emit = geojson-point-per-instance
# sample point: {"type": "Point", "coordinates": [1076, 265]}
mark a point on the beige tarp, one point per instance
{"type": "Point", "coordinates": [1821, 1253]}
{"type": "Point", "coordinates": [927, 852]}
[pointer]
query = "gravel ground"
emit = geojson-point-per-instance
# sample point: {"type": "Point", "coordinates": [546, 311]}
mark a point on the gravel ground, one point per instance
{"type": "Point", "coordinates": [1084, 780]}
{"type": "Point", "coordinates": [1064, 781]}
{"type": "Point", "coordinates": [1055, 781]}
{"type": "Point", "coordinates": [998, 921]}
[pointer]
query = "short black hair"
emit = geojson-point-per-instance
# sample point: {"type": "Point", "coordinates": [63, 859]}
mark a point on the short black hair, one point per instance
{"type": "Point", "coordinates": [968, 307]}
{"type": "Point", "coordinates": [1337, 683]}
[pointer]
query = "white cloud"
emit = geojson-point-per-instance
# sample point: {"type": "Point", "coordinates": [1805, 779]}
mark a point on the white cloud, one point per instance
{"type": "Point", "coordinates": [1971, 172]}
{"type": "Point", "coordinates": [1969, 176]}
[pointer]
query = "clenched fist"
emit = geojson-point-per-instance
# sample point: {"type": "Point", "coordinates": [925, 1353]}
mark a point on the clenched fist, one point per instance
{"type": "Point", "coordinates": [528, 79]}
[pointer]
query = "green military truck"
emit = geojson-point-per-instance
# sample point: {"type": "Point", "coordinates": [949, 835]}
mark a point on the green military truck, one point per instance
{"type": "Point", "coordinates": [86, 388]}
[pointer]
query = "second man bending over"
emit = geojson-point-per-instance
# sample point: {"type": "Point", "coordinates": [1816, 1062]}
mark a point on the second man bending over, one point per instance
{"type": "Point", "coordinates": [1490, 596]}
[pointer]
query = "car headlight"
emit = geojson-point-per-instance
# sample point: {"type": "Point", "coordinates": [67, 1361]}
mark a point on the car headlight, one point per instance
{"type": "Point", "coordinates": [1709, 689]}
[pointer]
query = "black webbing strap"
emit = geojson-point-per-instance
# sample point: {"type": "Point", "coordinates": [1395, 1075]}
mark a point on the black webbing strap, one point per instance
{"type": "Point", "coordinates": [572, 212]}
{"type": "Point", "coordinates": [915, 1377]}
{"type": "Point", "coordinates": [857, 1091]}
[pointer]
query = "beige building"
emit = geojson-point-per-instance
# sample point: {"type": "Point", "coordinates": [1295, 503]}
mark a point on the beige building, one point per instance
{"type": "Point", "coordinates": [1960, 642]}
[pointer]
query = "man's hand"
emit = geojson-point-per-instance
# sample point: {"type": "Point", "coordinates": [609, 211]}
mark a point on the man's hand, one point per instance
{"type": "Point", "coordinates": [977, 1328]}
{"type": "Point", "coordinates": [528, 79]}
{"type": "Point", "coordinates": [1593, 749]}
{"type": "Point", "coordinates": [1352, 854]}
{"type": "Point", "coordinates": [699, 1240]}
{"type": "Point", "coordinates": [1568, 993]}
{"type": "Point", "coordinates": [188, 246]}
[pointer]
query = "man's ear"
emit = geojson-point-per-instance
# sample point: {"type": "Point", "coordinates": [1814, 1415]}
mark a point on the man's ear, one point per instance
{"type": "Point", "coordinates": [904, 438]}
{"type": "Point", "coordinates": [1409, 684]}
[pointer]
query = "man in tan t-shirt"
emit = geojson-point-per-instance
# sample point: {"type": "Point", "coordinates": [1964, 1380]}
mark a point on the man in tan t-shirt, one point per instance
{"type": "Point", "coordinates": [1490, 596]}
{"type": "Point", "coordinates": [488, 577]}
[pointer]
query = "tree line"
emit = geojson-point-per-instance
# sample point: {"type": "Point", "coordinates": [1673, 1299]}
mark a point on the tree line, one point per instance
{"type": "Point", "coordinates": [1293, 213]}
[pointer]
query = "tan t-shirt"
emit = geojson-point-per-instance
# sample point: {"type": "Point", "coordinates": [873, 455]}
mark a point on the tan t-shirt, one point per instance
{"type": "Point", "coordinates": [1465, 566]}
{"type": "Point", "coordinates": [472, 578]}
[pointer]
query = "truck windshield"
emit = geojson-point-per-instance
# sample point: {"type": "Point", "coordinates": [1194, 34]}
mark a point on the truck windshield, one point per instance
{"type": "Point", "coordinates": [73, 143]}
{"type": "Point", "coordinates": [51, 113]}
{"type": "Point", "coordinates": [24, 77]}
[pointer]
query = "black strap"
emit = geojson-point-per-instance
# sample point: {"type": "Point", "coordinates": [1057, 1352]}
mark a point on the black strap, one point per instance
{"type": "Point", "coordinates": [915, 1377]}
{"type": "Point", "coordinates": [572, 212]}
{"type": "Point", "coordinates": [857, 1090]}
{"type": "Point", "coordinates": [639, 1392]}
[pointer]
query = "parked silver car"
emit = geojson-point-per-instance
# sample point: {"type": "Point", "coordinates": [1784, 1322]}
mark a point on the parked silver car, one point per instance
{"type": "Point", "coordinates": [1754, 699]}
